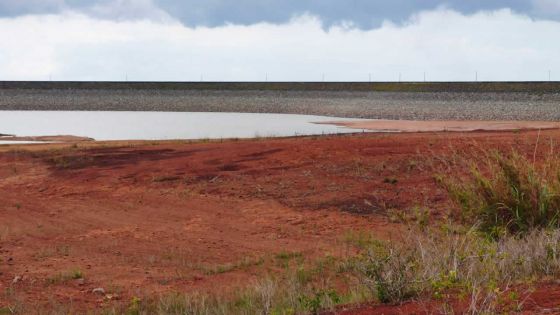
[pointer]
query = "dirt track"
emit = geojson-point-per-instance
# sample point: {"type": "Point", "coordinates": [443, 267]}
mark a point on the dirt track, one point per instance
{"type": "Point", "coordinates": [144, 218]}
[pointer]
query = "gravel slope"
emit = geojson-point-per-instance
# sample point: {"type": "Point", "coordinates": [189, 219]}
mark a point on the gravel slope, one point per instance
{"type": "Point", "coordinates": [358, 104]}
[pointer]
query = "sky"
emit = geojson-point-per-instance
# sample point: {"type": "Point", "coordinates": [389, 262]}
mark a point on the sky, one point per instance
{"type": "Point", "coordinates": [275, 40]}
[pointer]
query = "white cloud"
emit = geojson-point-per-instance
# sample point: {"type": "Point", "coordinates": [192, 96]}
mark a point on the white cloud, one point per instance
{"type": "Point", "coordinates": [500, 45]}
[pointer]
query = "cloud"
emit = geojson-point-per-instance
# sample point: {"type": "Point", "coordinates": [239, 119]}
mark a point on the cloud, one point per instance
{"type": "Point", "coordinates": [547, 8]}
{"type": "Point", "coordinates": [448, 45]}
{"type": "Point", "coordinates": [23, 7]}
{"type": "Point", "coordinates": [127, 10]}
{"type": "Point", "coordinates": [365, 14]}
{"type": "Point", "coordinates": [116, 10]}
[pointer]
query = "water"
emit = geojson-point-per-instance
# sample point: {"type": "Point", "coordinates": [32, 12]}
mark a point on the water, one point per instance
{"type": "Point", "coordinates": [2, 142]}
{"type": "Point", "coordinates": [163, 125]}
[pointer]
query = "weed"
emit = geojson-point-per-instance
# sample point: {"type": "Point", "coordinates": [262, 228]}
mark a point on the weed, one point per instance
{"type": "Point", "coordinates": [468, 264]}
{"type": "Point", "coordinates": [315, 302]}
{"type": "Point", "coordinates": [65, 276]}
{"type": "Point", "coordinates": [69, 161]}
{"type": "Point", "coordinates": [422, 217]}
{"type": "Point", "coordinates": [509, 194]}
{"type": "Point", "coordinates": [288, 255]}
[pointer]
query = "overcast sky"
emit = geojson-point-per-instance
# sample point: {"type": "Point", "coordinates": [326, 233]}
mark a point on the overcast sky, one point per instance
{"type": "Point", "coordinates": [254, 40]}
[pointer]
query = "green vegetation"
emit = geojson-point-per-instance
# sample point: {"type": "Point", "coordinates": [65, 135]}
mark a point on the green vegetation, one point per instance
{"type": "Point", "coordinates": [300, 290]}
{"type": "Point", "coordinates": [512, 203]}
{"type": "Point", "coordinates": [457, 265]}
{"type": "Point", "coordinates": [66, 161]}
{"type": "Point", "coordinates": [509, 194]}
{"type": "Point", "coordinates": [284, 255]}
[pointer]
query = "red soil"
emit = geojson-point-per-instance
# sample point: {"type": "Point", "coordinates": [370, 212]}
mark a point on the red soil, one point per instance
{"type": "Point", "coordinates": [142, 218]}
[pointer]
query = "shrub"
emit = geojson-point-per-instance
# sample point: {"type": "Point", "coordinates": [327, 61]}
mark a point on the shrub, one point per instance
{"type": "Point", "coordinates": [390, 271]}
{"type": "Point", "coordinates": [441, 264]}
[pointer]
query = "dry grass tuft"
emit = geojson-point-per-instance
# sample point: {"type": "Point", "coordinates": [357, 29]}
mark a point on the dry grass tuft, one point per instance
{"type": "Point", "coordinates": [466, 264]}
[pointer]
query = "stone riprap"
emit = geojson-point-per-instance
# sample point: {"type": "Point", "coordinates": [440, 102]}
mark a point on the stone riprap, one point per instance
{"type": "Point", "coordinates": [439, 105]}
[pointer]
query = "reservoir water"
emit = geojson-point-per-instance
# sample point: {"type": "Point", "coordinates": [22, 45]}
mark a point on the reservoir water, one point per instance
{"type": "Point", "coordinates": [114, 125]}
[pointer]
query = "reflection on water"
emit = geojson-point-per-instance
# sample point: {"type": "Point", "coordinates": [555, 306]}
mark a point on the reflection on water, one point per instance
{"type": "Point", "coordinates": [162, 125]}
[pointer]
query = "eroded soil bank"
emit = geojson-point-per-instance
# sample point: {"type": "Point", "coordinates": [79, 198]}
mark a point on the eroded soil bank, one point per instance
{"type": "Point", "coordinates": [140, 218]}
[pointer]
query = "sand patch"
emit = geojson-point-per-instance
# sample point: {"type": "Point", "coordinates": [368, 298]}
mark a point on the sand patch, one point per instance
{"type": "Point", "coordinates": [438, 126]}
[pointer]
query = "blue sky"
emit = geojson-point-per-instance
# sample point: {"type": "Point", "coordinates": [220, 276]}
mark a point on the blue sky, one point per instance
{"type": "Point", "coordinates": [290, 40]}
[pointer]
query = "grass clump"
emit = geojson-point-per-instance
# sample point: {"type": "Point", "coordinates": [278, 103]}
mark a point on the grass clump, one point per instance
{"type": "Point", "coordinates": [512, 204]}
{"type": "Point", "coordinates": [448, 266]}
{"type": "Point", "coordinates": [509, 194]}
{"type": "Point", "coordinates": [66, 276]}
{"type": "Point", "coordinates": [288, 294]}
{"type": "Point", "coordinates": [287, 255]}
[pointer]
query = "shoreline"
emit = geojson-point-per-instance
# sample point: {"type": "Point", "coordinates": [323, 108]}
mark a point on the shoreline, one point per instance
{"type": "Point", "coordinates": [417, 126]}
{"type": "Point", "coordinates": [371, 126]}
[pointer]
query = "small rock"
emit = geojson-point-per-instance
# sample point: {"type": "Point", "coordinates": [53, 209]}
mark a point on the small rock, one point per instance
{"type": "Point", "coordinates": [17, 279]}
{"type": "Point", "coordinates": [98, 291]}
{"type": "Point", "coordinates": [81, 281]}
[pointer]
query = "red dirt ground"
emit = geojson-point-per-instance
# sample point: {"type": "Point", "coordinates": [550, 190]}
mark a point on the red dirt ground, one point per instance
{"type": "Point", "coordinates": [141, 218]}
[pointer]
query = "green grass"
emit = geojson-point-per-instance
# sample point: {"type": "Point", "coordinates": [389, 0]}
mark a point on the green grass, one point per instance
{"type": "Point", "coordinates": [287, 255]}
{"type": "Point", "coordinates": [299, 290]}
{"type": "Point", "coordinates": [509, 194]}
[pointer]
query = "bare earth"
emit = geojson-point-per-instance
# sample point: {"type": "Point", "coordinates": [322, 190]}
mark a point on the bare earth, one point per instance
{"type": "Point", "coordinates": [143, 218]}
{"type": "Point", "coordinates": [437, 126]}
